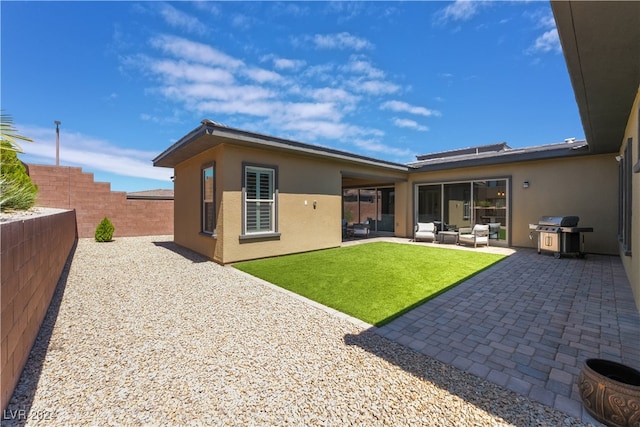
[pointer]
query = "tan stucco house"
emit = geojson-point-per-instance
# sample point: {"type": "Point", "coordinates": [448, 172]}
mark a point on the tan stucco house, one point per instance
{"type": "Point", "coordinates": [242, 195]}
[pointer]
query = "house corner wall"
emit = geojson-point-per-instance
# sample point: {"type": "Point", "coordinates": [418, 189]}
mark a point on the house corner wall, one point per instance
{"type": "Point", "coordinates": [631, 262]}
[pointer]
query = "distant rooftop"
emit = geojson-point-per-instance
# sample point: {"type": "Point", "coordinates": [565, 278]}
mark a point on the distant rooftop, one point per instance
{"type": "Point", "coordinates": [491, 148]}
{"type": "Point", "coordinates": [160, 194]}
{"type": "Point", "coordinates": [497, 153]}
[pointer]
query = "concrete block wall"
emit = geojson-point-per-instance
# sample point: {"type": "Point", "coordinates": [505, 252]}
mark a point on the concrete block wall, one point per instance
{"type": "Point", "coordinates": [33, 253]}
{"type": "Point", "coordinates": [71, 188]}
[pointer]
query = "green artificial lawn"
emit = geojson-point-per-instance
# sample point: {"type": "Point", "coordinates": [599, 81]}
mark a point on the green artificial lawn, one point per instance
{"type": "Point", "coordinates": [374, 282]}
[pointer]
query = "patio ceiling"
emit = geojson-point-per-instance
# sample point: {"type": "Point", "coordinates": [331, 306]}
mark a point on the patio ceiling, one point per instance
{"type": "Point", "coordinates": [601, 45]}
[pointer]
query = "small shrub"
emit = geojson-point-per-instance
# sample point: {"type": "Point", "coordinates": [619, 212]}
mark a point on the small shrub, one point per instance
{"type": "Point", "coordinates": [16, 188]}
{"type": "Point", "coordinates": [104, 231]}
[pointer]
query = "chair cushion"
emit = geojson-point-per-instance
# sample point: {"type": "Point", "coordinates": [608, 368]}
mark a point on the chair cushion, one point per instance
{"type": "Point", "coordinates": [426, 227]}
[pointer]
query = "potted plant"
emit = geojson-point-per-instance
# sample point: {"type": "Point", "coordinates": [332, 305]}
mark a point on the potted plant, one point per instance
{"type": "Point", "coordinates": [610, 392]}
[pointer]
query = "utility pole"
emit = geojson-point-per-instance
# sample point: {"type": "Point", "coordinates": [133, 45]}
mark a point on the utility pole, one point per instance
{"type": "Point", "coordinates": [58, 123]}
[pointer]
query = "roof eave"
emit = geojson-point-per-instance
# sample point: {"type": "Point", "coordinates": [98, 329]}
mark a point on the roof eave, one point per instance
{"type": "Point", "coordinates": [600, 41]}
{"type": "Point", "coordinates": [180, 151]}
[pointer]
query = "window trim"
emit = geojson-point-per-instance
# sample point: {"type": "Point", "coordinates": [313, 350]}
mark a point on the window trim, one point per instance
{"type": "Point", "coordinates": [272, 234]}
{"type": "Point", "coordinates": [203, 231]}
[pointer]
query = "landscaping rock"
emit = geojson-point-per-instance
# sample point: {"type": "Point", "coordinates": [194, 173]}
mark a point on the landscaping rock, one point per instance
{"type": "Point", "coordinates": [143, 332]}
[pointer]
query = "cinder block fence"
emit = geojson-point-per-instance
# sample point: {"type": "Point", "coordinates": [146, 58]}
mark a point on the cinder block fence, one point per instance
{"type": "Point", "coordinates": [70, 188]}
{"type": "Point", "coordinates": [33, 253]}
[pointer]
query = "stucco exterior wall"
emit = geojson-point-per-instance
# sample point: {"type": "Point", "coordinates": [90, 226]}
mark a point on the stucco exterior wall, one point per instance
{"type": "Point", "coordinates": [187, 202]}
{"type": "Point", "coordinates": [585, 186]}
{"type": "Point", "coordinates": [631, 262]}
{"type": "Point", "coordinates": [302, 183]}
{"type": "Point", "coordinates": [404, 210]}
{"type": "Point", "coordinates": [309, 203]}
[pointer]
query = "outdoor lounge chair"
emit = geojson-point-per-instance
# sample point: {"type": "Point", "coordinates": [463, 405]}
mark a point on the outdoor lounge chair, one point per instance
{"type": "Point", "coordinates": [361, 230]}
{"type": "Point", "coordinates": [478, 235]}
{"type": "Point", "coordinates": [425, 231]}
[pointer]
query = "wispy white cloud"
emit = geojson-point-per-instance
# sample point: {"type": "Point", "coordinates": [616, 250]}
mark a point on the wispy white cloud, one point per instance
{"type": "Point", "coordinates": [181, 20]}
{"type": "Point", "coordinates": [411, 124]}
{"type": "Point", "coordinates": [196, 52]}
{"type": "Point", "coordinates": [261, 75]}
{"type": "Point", "coordinates": [345, 10]}
{"type": "Point", "coordinates": [193, 56]}
{"type": "Point", "coordinates": [313, 104]}
{"type": "Point", "coordinates": [401, 106]}
{"type": "Point", "coordinates": [316, 129]}
{"type": "Point", "coordinates": [547, 21]}
{"type": "Point", "coordinates": [165, 119]}
{"type": "Point", "coordinates": [77, 149]}
{"type": "Point", "coordinates": [194, 92]}
{"type": "Point", "coordinates": [342, 40]}
{"type": "Point", "coordinates": [288, 64]}
{"type": "Point", "coordinates": [376, 146]}
{"type": "Point", "coordinates": [292, 9]}
{"type": "Point", "coordinates": [374, 87]}
{"type": "Point", "coordinates": [181, 70]}
{"type": "Point", "coordinates": [359, 65]}
{"type": "Point", "coordinates": [209, 7]}
{"type": "Point", "coordinates": [242, 22]}
{"type": "Point", "coordinates": [458, 11]}
{"type": "Point", "coordinates": [328, 94]}
{"type": "Point", "coordinates": [547, 42]}
{"type": "Point", "coordinates": [284, 64]}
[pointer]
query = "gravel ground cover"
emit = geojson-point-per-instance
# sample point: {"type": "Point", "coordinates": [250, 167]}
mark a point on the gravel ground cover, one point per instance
{"type": "Point", "coordinates": [142, 332]}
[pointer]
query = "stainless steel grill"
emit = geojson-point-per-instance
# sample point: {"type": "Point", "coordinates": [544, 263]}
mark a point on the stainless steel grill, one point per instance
{"type": "Point", "coordinates": [560, 235]}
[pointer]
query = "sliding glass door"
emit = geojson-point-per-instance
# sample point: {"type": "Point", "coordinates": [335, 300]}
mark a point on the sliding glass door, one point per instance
{"type": "Point", "coordinates": [490, 206]}
{"type": "Point", "coordinates": [429, 203]}
{"type": "Point", "coordinates": [455, 205]}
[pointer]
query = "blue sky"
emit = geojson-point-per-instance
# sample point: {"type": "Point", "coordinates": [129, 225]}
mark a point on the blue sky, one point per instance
{"type": "Point", "coordinates": [389, 80]}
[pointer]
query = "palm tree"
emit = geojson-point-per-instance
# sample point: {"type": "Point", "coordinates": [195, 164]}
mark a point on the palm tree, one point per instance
{"type": "Point", "coordinates": [17, 191]}
{"type": "Point", "coordinates": [9, 134]}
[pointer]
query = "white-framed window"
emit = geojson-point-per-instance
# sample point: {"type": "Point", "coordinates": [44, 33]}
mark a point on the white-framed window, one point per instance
{"type": "Point", "coordinates": [260, 199]}
{"type": "Point", "coordinates": [208, 212]}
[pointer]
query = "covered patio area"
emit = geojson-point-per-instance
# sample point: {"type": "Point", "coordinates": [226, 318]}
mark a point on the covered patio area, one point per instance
{"type": "Point", "coordinates": [369, 205]}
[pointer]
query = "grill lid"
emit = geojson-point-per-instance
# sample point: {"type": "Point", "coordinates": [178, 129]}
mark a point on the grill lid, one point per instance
{"type": "Point", "coordinates": [559, 221]}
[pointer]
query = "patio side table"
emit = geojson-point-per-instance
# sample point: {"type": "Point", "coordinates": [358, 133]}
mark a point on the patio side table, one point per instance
{"type": "Point", "coordinates": [443, 235]}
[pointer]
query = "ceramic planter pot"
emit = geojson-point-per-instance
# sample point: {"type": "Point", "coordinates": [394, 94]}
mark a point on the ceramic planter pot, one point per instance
{"type": "Point", "coordinates": [610, 392]}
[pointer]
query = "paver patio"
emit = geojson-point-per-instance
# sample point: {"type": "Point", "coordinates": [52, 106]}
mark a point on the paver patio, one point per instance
{"type": "Point", "coordinates": [529, 322]}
